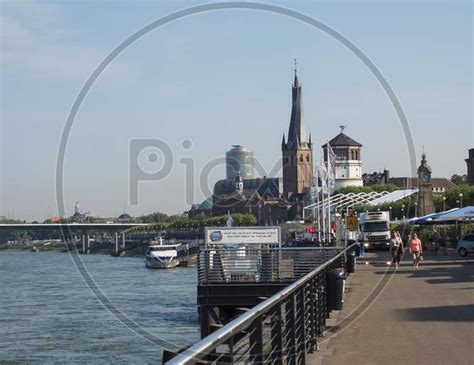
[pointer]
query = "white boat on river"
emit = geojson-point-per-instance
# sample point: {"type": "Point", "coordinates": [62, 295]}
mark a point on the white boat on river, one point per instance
{"type": "Point", "coordinates": [160, 256]}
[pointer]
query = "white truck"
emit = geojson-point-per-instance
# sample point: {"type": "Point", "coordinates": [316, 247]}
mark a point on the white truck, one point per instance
{"type": "Point", "coordinates": [375, 229]}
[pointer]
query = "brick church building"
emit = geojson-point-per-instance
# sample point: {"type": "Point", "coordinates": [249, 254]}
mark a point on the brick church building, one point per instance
{"type": "Point", "coordinates": [274, 200]}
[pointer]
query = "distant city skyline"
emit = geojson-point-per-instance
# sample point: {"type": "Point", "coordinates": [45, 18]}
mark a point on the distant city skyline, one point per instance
{"type": "Point", "coordinates": [220, 79]}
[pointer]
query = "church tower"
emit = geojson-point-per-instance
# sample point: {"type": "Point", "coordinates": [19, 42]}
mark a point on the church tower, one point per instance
{"type": "Point", "coordinates": [425, 188]}
{"type": "Point", "coordinates": [297, 151]}
{"type": "Point", "coordinates": [470, 166]}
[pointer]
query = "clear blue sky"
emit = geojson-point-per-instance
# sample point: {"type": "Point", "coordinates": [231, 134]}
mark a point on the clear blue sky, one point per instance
{"type": "Point", "coordinates": [218, 79]}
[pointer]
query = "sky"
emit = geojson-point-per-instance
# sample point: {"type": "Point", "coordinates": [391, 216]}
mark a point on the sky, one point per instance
{"type": "Point", "coordinates": [205, 82]}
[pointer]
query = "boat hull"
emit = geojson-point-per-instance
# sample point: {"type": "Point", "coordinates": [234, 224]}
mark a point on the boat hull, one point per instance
{"type": "Point", "coordinates": [161, 265]}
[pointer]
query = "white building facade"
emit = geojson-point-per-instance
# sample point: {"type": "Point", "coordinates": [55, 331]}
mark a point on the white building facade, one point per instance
{"type": "Point", "coordinates": [348, 166]}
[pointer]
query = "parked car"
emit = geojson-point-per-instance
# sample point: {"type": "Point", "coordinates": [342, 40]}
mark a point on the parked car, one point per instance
{"type": "Point", "coordinates": [466, 245]}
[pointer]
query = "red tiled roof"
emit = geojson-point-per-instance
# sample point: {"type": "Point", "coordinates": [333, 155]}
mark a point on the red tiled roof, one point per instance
{"type": "Point", "coordinates": [412, 182]}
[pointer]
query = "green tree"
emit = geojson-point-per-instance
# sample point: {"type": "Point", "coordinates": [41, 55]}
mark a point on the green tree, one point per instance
{"type": "Point", "coordinates": [180, 222]}
{"type": "Point", "coordinates": [459, 179]}
{"type": "Point", "coordinates": [399, 209]}
{"type": "Point", "coordinates": [453, 197]}
{"type": "Point", "coordinates": [154, 218]}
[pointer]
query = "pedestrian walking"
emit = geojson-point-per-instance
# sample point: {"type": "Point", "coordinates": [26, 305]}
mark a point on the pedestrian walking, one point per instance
{"type": "Point", "coordinates": [416, 250]}
{"type": "Point", "coordinates": [396, 248]}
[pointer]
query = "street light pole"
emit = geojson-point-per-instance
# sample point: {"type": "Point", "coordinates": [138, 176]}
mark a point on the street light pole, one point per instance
{"type": "Point", "coordinates": [460, 198]}
{"type": "Point", "coordinates": [445, 233]}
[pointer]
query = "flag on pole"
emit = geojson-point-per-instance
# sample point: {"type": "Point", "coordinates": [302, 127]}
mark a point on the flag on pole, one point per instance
{"type": "Point", "coordinates": [230, 221]}
{"type": "Point", "coordinates": [323, 175]}
{"type": "Point", "coordinates": [324, 191]}
{"type": "Point", "coordinates": [331, 168]}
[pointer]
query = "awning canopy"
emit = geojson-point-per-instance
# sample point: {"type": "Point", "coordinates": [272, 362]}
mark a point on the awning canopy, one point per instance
{"type": "Point", "coordinates": [457, 215]}
{"type": "Point", "coordinates": [430, 218]}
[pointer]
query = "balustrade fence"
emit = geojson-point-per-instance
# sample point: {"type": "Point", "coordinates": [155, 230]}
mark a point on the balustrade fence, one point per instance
{"type": "Point", "coordinates": [283, 328]}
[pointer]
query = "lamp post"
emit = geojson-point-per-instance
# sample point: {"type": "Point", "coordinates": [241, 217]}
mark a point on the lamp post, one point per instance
{"type": "Point", "coordinates": [416, 209]}
{"type": "Point", "coordinates": [403, 211]}
{"type": "Point", "coordinates": [390, 212]}
{"type": "Point", "coordinates": [445, 231]}
{"type": "Point", "coordinates": [460, 199]}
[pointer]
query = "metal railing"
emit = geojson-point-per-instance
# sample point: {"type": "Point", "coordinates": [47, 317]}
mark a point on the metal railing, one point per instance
{"type": "Point", "coordinates": [280, 330]}
{"type": "Point", "coordinates": [259, 265]}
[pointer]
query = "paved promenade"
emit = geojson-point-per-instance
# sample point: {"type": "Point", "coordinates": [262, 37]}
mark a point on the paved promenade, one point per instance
{"type": "Point", "coordinates": [408, 316]}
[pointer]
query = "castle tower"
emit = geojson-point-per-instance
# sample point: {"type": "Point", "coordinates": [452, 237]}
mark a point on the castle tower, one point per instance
{"type": "Point", "coordinates": [297, 151]}
{"type": "Point", "coordinates": [348, 165]}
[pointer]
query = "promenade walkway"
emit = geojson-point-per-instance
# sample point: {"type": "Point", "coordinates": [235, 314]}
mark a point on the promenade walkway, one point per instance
{"type": "Point", "coordinates": [407, 316]}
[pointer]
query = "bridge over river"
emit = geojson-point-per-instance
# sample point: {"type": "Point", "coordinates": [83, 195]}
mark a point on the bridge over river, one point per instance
{"type": "Point", "coordinates": [83, 231]}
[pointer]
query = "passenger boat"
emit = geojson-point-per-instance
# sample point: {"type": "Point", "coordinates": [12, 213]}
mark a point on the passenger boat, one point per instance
{"type": "Point", "coordinates": [160, 256]}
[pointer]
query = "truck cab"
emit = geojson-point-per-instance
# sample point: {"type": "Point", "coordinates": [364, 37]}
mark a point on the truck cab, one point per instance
{"type": "Point", "coordinates": [375, 230]}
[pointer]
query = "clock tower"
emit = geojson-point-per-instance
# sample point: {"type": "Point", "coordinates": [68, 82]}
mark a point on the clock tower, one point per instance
{"type": "Point", "coordinates": [425, 189]}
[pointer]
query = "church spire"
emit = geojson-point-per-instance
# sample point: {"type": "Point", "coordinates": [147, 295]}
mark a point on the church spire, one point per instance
{"type": "Point", "coordinates": [296, 74]}
{"type": "Point", "coordinates": [296, 135]}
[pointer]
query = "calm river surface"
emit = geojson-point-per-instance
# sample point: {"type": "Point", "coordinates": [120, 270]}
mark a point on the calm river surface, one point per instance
{"type": "Point", "coordinates": [49, 315]}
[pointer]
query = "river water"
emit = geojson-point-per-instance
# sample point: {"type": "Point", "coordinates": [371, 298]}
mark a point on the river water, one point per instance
{"type": "Point", "coordinates": [48, 314]}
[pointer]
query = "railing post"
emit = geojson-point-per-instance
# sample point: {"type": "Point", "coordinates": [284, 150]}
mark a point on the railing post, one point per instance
{"type": "Point", "coordinates": [277, 336]}
{"type": "Point", "coordinates": [326, 279]}
{"type": "Point", "coordinates": [300, 332]}
{"type": "Point", "coordinates": [313, 287]}
{"type": "Point", "coordinates": [256, 341]}
{"type": "Point", "coordinates": [290, 330]}
{"type": "Point", "coordinates": [230, 358]}
{"type": "Point", "coordinates": [322, 305]}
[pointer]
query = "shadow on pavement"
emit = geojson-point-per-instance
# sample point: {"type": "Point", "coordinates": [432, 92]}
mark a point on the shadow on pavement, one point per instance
{"type": "Point", "coordinates": [438, 273]}
{"type": "Point", "coordinates": [452, 313]}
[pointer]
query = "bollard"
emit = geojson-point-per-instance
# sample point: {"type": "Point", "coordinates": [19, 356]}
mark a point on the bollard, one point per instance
{"type": "Point", "coordinates": [351, 261]}
{"type": "Point", "coordinates": [336, 284]}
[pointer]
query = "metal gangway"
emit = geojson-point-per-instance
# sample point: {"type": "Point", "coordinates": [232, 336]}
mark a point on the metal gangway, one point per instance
{"type": "Point", "coordinates": [282, 329]}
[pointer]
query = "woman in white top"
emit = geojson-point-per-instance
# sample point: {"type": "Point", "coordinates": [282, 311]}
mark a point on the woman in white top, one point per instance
{"type": "Point", "coordinates": [396, 248]}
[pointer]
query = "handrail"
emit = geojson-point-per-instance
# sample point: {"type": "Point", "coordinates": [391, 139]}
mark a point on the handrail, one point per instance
{"type": "Point", "coordinates": [202, 348]}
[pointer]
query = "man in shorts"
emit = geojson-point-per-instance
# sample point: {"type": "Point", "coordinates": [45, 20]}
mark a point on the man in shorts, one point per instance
{"type": "Point", "coordinates": [416, 250]}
